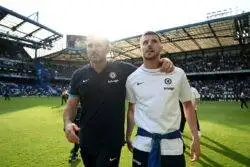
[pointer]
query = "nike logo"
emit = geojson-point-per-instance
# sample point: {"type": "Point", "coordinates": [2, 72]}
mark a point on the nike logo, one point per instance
{"type": "Point", "coordinates": [139, 83]}
{"type": "Point", "coordinates": [112, 159]}
{"type": "Point", "coordinates": [86, 80]}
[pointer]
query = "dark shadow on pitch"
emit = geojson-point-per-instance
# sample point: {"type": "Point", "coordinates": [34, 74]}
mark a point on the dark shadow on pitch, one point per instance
{"type": "Point", "coordinates": [202, 162]}
{"type": "Point", "coordinates": [225, 151]}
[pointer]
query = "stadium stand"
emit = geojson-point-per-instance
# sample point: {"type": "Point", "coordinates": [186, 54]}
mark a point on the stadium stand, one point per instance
{"type": "Point", "coordinates": [214, 53]}
{"type": "Point", "coordinates": [20, 74]}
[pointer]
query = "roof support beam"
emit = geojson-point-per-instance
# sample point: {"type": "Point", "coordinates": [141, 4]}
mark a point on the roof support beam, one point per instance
{"type": "Point", "coordinates": [170, 41]}
{"type": "Point", "coordinates": [26, 19]}
{"type": "Point", "coordinates": [2, 15]}
{"type": "Point", "coordinates": [208, 37]}
{"type": "Point", "coordinates": [131, 43]}
{"type": "Point", "coordinates": [212, 30]}
{"type": "Point", "coordinates": [13, 33]}
{"type": "Point", "coordinates": [30, 34]}
{"type": "Point", "coordinates": [190, 36]}
{"type": "Point", "coordinates": [25, 44]}
{"type": "Point", "coordinates": [14, 28]}
{"type": "Point", "coordinates": [122, 53]}
{"type": "Point", "coordinates": [39, 44]}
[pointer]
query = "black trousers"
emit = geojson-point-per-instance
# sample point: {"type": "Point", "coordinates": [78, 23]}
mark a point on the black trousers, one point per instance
{"type": "Point", "coordinates": [75, 149]}
{"type": "Point", "coordinates": [242, 103]}
{"type": "Point", "coordinates": [105, 157]}
{"type": "Point", "coordinates": [64, 100]}
{"type": "Point", "coordinates": [6, 97]}
{"type": "Point", "coordinates": [183, 121]}
{"type": "Point", "coordinates": [140, 159]}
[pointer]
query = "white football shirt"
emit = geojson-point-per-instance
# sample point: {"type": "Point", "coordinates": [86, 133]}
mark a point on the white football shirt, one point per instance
{"type": "Point", "coordinates": [156, 96]}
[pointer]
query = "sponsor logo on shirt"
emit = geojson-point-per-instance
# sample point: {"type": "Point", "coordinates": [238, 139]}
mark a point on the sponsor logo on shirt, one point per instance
{"type": "Point", "coordinates": [113, 81]}
{"type": "Point", "coordinates": [168, 88]}
{"type": "Point", "coordinates": [112, 75]}
{"type": "Point", "coordinates": [168, 81]}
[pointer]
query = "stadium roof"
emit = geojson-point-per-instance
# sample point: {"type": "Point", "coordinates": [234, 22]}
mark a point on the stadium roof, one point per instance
{"type": "Point", "coordinates": [25, 31]}
{"type": "Point", "coordinates": [217, 33]}
{"type": "Point", "coordinates": [68, 55]}
{"type": "Point", "coordinates": [222, 32]}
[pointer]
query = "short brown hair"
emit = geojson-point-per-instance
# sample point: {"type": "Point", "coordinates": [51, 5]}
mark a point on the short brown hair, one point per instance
{"type": "Point", "coordinates": [151, 33]}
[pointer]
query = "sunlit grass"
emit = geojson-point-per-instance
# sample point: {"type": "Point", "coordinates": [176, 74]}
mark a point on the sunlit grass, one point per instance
{"type": "Point", "coordinates": [32, 135]}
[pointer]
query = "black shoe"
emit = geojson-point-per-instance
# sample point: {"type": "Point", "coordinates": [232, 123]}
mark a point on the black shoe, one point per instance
{"type": "Point", "coordinates": [73, 158]}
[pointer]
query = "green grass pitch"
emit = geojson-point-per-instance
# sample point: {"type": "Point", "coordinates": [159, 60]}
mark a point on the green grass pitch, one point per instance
{"type": "Point", "coordinates": [31, 134]}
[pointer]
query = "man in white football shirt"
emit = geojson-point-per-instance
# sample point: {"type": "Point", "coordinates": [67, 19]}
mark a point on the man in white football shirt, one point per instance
{"type": "Point", "coordinates": [154, 107]}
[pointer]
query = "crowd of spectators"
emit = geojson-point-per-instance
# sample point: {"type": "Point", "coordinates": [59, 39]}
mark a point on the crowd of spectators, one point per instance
{"type": "Point", "coordinates": [213, 62]}
{"type": "Point", "coordinates": [10, 51]}
{"type": "Point", "coordinates": [190, 64]}
{"type": "Point", "coordinates": [15, 90]}
{"type": "Point", "coordinates": [17, 64]}
{"type": "Point", "coordinates": [222, 89]}
{"type": "Point", "coordinates": [14, 68]}
{"type": "Point", "coordinates": [15, 61]}
{"type": "Point", "coordinates": [212, 89]}
{"type": "Point", "coordinates": [65, 70]}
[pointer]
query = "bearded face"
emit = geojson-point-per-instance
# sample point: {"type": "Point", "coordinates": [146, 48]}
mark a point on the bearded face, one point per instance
{"type": "Point", "coordinates": [97, 49]}
{"type": "Point", "coordinates": [150, 46]}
